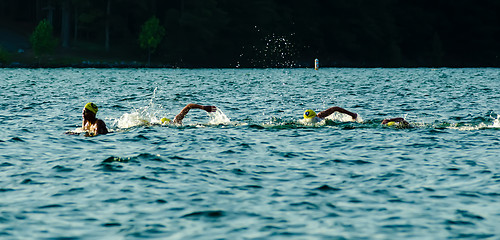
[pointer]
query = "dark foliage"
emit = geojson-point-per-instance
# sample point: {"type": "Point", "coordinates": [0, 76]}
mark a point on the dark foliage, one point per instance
{"type": "Point", "coordinates": [281, 33]}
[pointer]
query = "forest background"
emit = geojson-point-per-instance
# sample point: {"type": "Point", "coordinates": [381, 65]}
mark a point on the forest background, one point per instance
{"type": "Point", "coordinates": [256, 33]}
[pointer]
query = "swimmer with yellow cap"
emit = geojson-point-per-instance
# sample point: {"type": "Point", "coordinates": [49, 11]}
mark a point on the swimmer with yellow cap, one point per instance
{"type": "Point", "coordinates": [165, 120]}
{"type": "Point", "coordinates": [91, 107]}
{"type": "Point", "coordinates": [310, 116]}
{"type": "Point", "coordinates": [91, 124]}
{"type": "Point", "coordinates": [396, 122]}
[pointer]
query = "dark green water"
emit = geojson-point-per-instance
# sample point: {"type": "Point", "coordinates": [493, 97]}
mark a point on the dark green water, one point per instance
{"type": "Point", "coordinates": [251, 171]}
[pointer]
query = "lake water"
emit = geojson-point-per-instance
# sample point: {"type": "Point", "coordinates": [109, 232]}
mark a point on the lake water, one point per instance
{"type": "Point", "coordinates": [251, 170]}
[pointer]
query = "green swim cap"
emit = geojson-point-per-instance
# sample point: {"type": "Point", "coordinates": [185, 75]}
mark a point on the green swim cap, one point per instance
{"type": "Point", "coordinates": [309, 114]}
{"type": "Point", "coordinates": [91, 107]}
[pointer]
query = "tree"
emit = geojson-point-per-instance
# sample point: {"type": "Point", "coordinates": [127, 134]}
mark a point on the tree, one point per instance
{"type": "Point", "coordinates": [151, 35]}
{"type": "Point", "coordinates": [65, 23]}
{"type": "Point", "coordinates": [42, 40]}
{"type": "Point", "coordinates": [107, 28]}
{"type": "Point", "coordinates": [4, 56]}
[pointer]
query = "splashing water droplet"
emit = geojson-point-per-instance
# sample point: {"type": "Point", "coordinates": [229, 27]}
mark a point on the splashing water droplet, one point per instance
{"type": "Point", "coordinates": [218, 117]}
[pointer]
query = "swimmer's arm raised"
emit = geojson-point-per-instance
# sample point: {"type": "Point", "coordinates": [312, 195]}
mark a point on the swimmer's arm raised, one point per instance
{"type": "Point", "coordinates": [185, 110]}
{"type": "Point", "coordinates": [331, 110]}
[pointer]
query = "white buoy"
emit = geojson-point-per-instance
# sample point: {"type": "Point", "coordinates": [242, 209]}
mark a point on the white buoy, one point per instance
{"type": "Point", "coordinates": [316, 64]}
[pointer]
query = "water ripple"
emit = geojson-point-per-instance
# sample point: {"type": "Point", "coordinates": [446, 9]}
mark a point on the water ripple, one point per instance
{"type": "Point", "coordinates": [258, 173]}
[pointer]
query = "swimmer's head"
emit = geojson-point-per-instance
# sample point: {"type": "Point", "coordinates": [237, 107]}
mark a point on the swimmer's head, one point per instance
{"type": "Point", "coordinates": [165, 120]}
{"type": "Point", "coordinates": [309, 114]}
{"type": "Point", "coordinates": [91, 107]}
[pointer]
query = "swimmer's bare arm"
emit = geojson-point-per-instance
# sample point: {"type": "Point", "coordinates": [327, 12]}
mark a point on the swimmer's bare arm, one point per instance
{"type": "Point", "coordinates": [399, 120]}
{"type": "Point", "coordinates": [331, 110]}
{"type": "Point", "coordinates": [185, 110]}
{"type": "Point", "coordinates": [84, 127]}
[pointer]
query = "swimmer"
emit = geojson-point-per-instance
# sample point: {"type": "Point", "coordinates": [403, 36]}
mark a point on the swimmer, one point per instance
{"type": "Point", "coordinates": [185, 110]}
{"type": "Point", "coordinates": [90, 123]}
{"type": "Point", "coordinates": [393, 121]}
{"type": "Point", "coordinates": [311, 116]}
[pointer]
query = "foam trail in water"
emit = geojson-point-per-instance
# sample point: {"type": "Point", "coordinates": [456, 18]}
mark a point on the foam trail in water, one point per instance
{"type": "Point", "coordinates": [218, 117]}
{"type": "Point", "coordinates": [496, 122]}
{"type": "Point", "coordinates": [76, 131]}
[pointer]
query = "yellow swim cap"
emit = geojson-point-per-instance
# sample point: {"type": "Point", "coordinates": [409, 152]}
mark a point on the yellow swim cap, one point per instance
{"type": "Point", "coordinates": [91, 107]}
{"type": "Point", "coordinates": [308, 114]}
{"type": "Point", "coordinates": [165, 120]}
{"type": "Point", "coordinates": [391, 123]}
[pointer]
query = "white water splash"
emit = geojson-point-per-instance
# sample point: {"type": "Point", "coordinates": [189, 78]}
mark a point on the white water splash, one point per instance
{"type": "Point", "coordinates": [340, 117]}
{"type": "Point", "coordinates": [467, 128]}
{"type": "Point", "coordinates": [144, 116]}
{"type": "Point", "coordinates": [218, 117]}
{"type": "Point", "coordinates": [336, 116]}
{"type": "Point", "coordinates": [153, 113]}
{"type": "Point", "coordinates": [496, 122]}
{"type": "Point", "coordinates": [76, 131]}
{"type": "Point", "coordinates": [137, 118]}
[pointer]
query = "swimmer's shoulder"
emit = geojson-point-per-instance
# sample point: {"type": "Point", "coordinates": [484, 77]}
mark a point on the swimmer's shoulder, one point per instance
{"type": "Point", "coordinates": [101, 127]}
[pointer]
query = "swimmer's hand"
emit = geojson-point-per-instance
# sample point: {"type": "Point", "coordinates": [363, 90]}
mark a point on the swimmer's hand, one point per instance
{"type": "Point", "coordinates": [90, 134]}
{"type": "Point", "coordinates": [210, 108]}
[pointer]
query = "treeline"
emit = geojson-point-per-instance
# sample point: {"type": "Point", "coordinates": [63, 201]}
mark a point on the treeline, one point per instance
{"type": "Point", "coordinates": [279, 33]}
